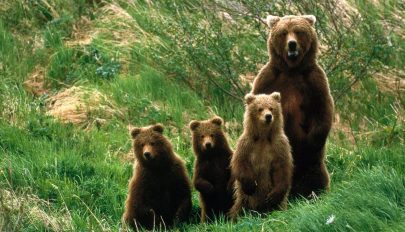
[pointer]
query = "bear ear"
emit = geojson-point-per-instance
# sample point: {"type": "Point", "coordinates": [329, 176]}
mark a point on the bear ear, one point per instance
{"type": "Point", "coordinates": [217, 120]}
{"type": "Point", "coordinates": [310, 18]}
{"type": "Point", "coordinates": [135, 131]}
{"type": "Point", "coordinates": [271, 20]}
{"type": "Point", "coordinates": [158, 128]}
{"type": "Point", "coordinates": [194, 124]}
{"type": "Point", "coordinates": [249, 98]}
{"type": "Point", "coordinates": [276, 96]}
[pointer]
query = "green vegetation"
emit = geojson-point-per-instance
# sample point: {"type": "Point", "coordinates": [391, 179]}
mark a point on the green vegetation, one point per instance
{"type": "Point", "coordinates": [142, 62]}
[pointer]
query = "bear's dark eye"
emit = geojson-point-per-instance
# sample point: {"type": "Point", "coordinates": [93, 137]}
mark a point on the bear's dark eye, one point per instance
{"type": "Point", "coordinates": [284, 33]}
{"type": "Point", "coordinates": [299, 32]}
{"type": "Point", "coordinates": [142, 144]}
{"type": "Point", "coordinates": [152, 144]}
{"type": "Point", "coordinates": [260, 109]}
{"type": "Point", "coordinates": [202, 136]}
{"type": "Point", "coordinates": [212, 135]}
{"type": "Point", "coordinates": [271, 109]}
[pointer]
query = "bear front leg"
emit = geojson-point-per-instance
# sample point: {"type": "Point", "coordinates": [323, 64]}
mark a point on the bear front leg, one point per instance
{"type": "Point", "coordinates": [183, 197]}
{"type": "Point", "coordinates": [184, 209]}
{"type": "Point", "coordinates": [316, 138]}
{"type": "Point", "coordinates": [241, 167]}
{"type": "Point", "coordinates": [281, 177]}
{"type": "Point", "coordinates": [263, 80]}
{"type": "Point", "coordinates": [136, 213]}
{"type": "Point", "coordinates": [248, 185]}
{"type": "Point", "coordinates": [321, 119]}
{"type": "Point", "coordinates": [314, 179]}
{"type": "Point", "coordinates": [245, 178]}
{"type": "Point", "coordinates": [203, 186]}
{"type": "Point", "coordinates": [142, 216]}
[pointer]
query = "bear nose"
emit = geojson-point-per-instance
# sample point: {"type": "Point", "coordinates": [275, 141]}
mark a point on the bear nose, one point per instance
{"type": "Point", "coordinates": [147, 155]}
{"type": "Point", "coordinates": [208, 145]}
{"type": "Point", "coordinates": [268, 117]}
{"type": "Point", "coordinates": [292, 45]}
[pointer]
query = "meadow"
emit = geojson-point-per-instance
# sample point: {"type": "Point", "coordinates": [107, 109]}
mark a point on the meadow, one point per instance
{"type": "Point", "coordinates": [75, 75]}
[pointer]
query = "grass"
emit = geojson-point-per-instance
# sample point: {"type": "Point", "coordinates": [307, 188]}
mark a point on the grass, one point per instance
{"type": "Point", "coordinates": [167, 62]}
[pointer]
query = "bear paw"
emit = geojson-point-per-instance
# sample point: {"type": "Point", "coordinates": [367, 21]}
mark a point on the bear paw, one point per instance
{"type": "Point", "coordinates": [248, 187]}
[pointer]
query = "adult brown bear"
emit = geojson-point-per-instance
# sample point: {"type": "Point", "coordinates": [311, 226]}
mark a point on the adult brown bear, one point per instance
{"type": "Point", "coordinates": [307, 104]}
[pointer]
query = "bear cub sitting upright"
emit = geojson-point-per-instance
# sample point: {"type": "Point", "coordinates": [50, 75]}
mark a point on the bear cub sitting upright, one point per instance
{"type": "Point", "coordinates": [212, 174]}
{"type": "Point", "coordinates": [262, 163]}
{"type": "Point", "coordinates": [159, 191]}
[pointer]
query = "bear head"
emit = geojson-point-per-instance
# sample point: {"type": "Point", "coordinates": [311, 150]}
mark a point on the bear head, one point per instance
{"type": "Point", "coordinates": [207, 135]}
{"type": "Point", "coordinates": [263, 110]}
{"type": "Point", "coordinates": [292, 38]}
{"type": "Point", "coordinates": [151, 148]}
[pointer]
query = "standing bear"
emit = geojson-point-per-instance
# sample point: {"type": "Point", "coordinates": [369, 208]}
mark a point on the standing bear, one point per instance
{"type": "Point", "coordinates": [262, 164]}
{"type": "Point", "coordinates": [159, 191]}
{"type": "Point", "coordinates": [212, 174]}
{"type": "Point", "coordinates": [307, 103]}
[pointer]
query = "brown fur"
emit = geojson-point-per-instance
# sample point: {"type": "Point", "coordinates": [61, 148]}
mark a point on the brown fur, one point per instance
{"type": "Point", "coordinates": [262, 163]}
{"type": "Point", "coordinates": [307, 103]}
{"type": "Point", "coordinates": [212, 174]}
{"type": "Point", "coordinates": [159, 191]}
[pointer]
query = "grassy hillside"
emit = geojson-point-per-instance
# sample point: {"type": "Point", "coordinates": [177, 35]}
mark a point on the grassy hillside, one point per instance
{"type": "Point", "coordinates": [74, 75]}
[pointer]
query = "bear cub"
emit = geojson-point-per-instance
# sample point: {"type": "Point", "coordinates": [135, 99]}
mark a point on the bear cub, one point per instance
{"type": "Point", "coordinates": [262, 164]}
{"type": "Point", "coordinates": [159, 191]}
{"type": "Point", "coordinates": [212, 174]}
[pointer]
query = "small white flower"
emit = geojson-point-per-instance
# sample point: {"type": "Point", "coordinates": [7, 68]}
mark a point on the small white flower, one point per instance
{"type": "Point", "coordinates": [330, 219]}
{"type": "Point", "coordinates": [389, 41]}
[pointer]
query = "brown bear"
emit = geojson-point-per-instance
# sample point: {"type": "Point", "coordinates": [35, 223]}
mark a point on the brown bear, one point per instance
{"type": "Point", "coordinates": [212, 174]}
{"type": "Point", "coordinates": [159, 192]}
{"type": "Point", "coordinates": [262, 164]}
{"type": "Point", "coordinates": [307, 103]}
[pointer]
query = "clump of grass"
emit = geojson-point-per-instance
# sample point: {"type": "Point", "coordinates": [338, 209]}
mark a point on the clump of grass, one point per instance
{"type": "Point", "coordinates": [17, 210]}
{"type": "Point", "coordinates": [149, 98]}
{"type": "Point", "coordinates": [82, 106]}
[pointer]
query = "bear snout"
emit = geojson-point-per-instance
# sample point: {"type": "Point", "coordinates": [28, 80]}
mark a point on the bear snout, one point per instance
{"type": "Point", "coordinates": [208, 143]}
{"type": "Point", "coordinates": [147, 155]}
{"type": "Point", "coordinates": [147, 152]}
{"type": "Point", "coordinates": [268, 118]}
{"type": "Point", "coordinates": [292, 45]}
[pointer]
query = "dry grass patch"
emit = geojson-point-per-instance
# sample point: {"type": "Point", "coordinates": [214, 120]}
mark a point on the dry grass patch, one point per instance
{"type": "Point", "coordinates": [391, 81]}
{"type": "Point", "coordinates": [14, 208]}
{"type": "Point", "coordinates": [82, 106]}
{"type": "Point", "coordinates": [83, 33]}
{"type": "Point", "coordinates": [35, 84]}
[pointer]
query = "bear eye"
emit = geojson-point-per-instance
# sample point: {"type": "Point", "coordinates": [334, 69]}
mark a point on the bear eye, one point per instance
{"type": "Point", "coordinates": [152, 144]}
{"type": "Point", "coordinates": [284, 33]}
{"type": "Point", "coordinates": [271, 109]}
{"type": "Point", "coordinates": [142, 144]}
{"type": "Point", "coordinates": [202, 136]}
{"type": "Point", "coordinates": [260, 109]}
{"type": "Point", "coordinates": [212, 135]}
{"type": "Point", "coordinates": [299, 32]}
